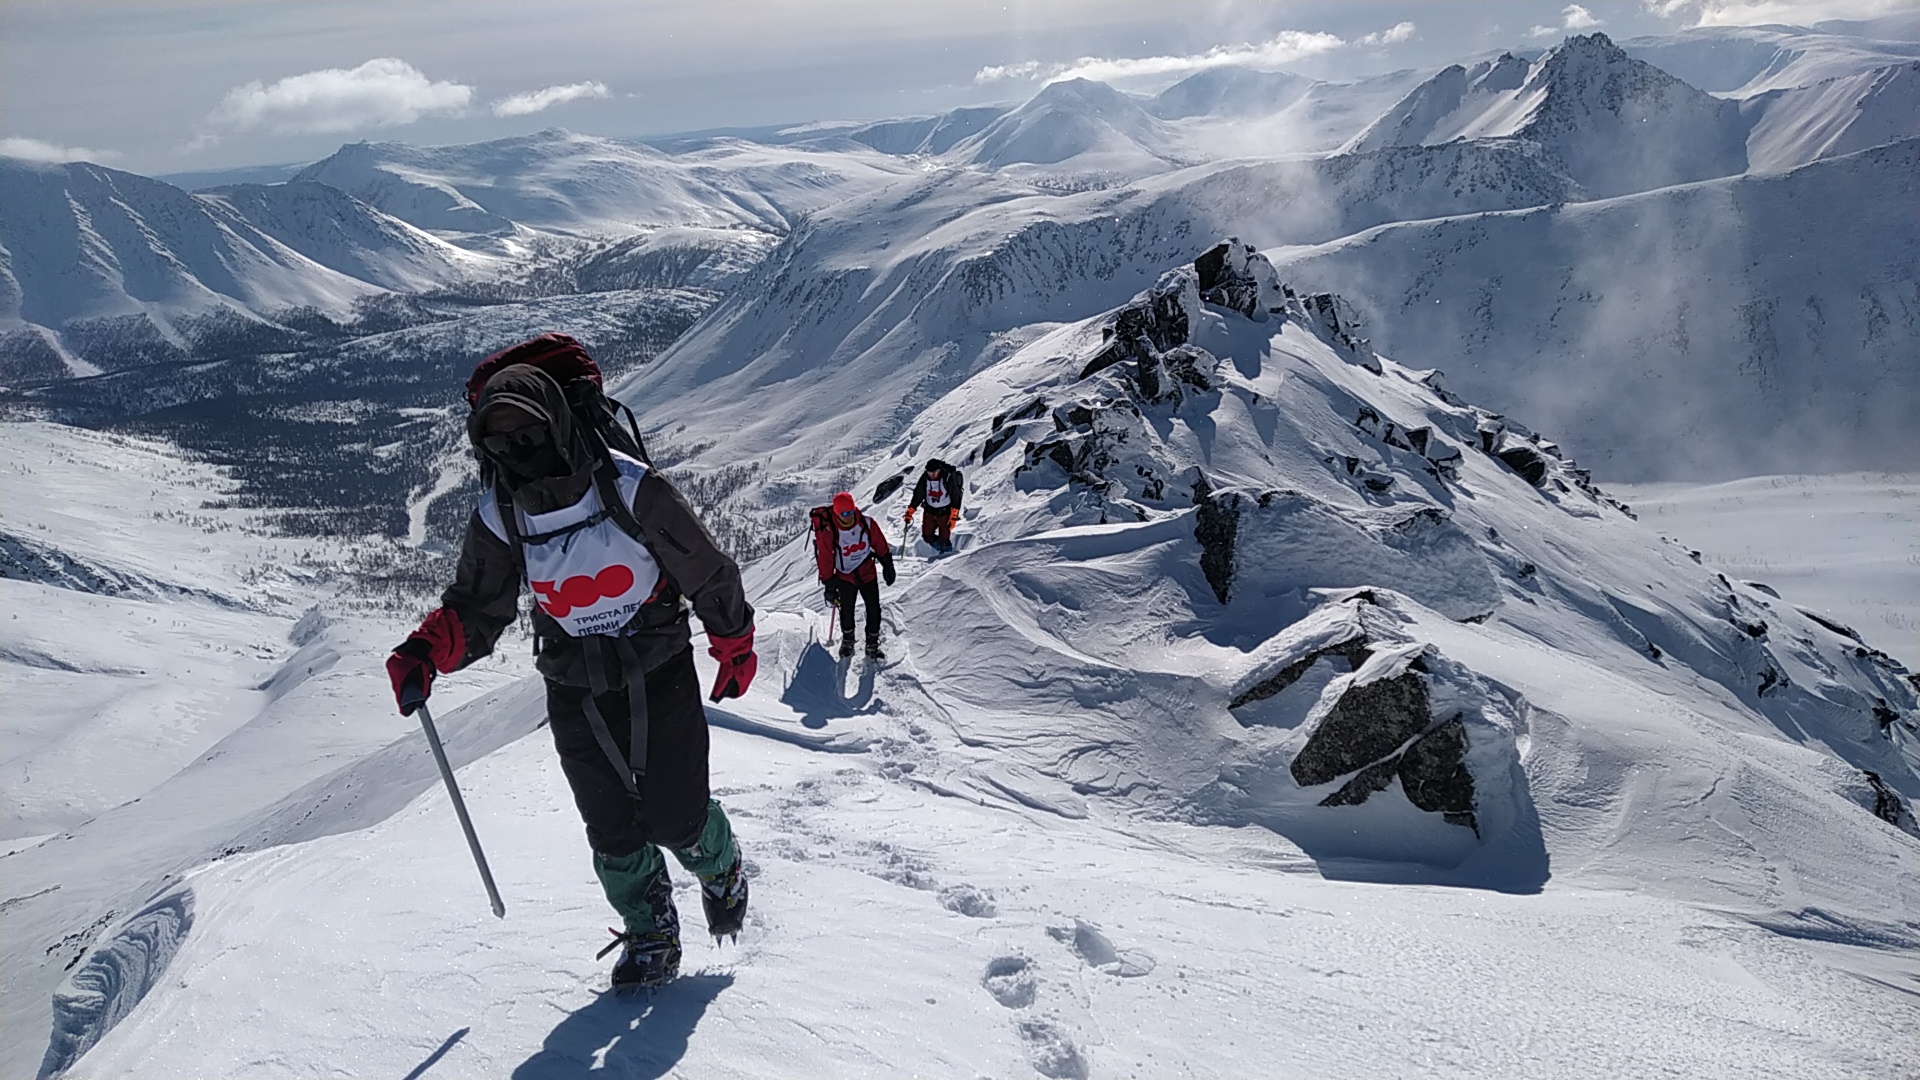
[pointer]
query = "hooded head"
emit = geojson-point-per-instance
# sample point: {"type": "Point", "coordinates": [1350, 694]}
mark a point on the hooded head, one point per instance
{"type": "Point", "coordinates": [845, 509]}
{"type": "Point", "coordinates": [523, 425]}
{"type": "Point", "coordinates": [935, 466]}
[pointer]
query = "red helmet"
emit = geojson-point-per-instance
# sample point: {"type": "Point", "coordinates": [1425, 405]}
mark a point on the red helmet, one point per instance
{"type": "Point", "coordinates": [844, 506]}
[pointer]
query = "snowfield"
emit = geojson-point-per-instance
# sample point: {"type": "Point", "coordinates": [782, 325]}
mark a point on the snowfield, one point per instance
{"type": "Point", "coordinates": [898, 931]}
{"type": "Point", "coordinates": [1290, 705]}
{"type": "Point", "coordinates": [1844, 546]}
{"type": "Point", "coordinates": [1625, 829]}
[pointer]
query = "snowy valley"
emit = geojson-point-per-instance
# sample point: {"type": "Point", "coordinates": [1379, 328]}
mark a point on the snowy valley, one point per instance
{"type": "Point", "coordinates": [1378, 640]}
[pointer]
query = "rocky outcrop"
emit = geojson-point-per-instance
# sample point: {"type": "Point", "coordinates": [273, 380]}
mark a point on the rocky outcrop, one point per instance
{"type": "Point", "coordinates": [1368, 722]}
{"type": "Point", "coordinates": [1384, 724]}
{"type": "Point", "coordinates": [1146, 327]}
{"type": "Point", "coordinates": [1237, 277]}
{"type": "Point", "coordinates": [1888, 806]}
{"type": "Point", "coordinates": [1217, 526]}
{"type": "Point", "coordinates": [1380, 709]}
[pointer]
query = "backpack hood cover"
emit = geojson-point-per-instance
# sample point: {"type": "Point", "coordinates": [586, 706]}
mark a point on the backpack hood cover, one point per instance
{"type": "Point", "coordinates": [525, 387]}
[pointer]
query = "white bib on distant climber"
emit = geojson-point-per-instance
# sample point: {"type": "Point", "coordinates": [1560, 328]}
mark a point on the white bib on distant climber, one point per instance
{"type": "Point", "coordinates": [851, 547]}
{"type": "Point", "coordinates": [591, 579]}
{"type": "Point", "coordinates": [936, 494]}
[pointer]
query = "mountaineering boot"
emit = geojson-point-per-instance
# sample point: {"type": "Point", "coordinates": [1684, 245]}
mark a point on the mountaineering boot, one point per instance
{"type": "Point", "coordinates": [846, 645]}
{"type": "Point", "coordinates": [724, 898]}
{"type": "Point", "coordinates": [638, 888]}
{"type": "Point", "coordinates": [873, 650]}
{"type": "Point", "coordinates": [646, 961]}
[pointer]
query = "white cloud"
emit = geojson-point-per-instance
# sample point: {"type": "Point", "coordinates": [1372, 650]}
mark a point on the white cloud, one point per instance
{"type": "Point", "coordinates": [1283, 48]}
{"type": "Point", "coordinates": [1573, 19]}
{"type": "Point", "coordinates": [1576, 17]}
{"type": "Point", "coordinates": [1392, 35]}
{"type": "Point", "coordinates": [1755, 12]}
{"type": "Point", "coordinates": [41, 150]}
{"type": "Point", "coordinates": [383, 92]}
{"type": "Point", "coordinates": [538, 100]}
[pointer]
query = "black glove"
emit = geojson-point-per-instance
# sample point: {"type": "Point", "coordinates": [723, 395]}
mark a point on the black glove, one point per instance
{"type": "Point", "coordinates": [886, 569]}
{"type": "Point", "coordinates": [830, 588]}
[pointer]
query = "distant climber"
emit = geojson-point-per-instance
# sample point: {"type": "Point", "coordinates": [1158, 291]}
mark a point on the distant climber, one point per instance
{"type": "Point", "coordinates": [940, 489]}
{"type": "Point", "coordinates": [612, 553]}
{"type": "Point", "coordinates": [847, 547]}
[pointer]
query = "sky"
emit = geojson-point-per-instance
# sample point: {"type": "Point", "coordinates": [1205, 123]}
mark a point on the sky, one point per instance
{"type": "Point", "coordinates": [160, 86]}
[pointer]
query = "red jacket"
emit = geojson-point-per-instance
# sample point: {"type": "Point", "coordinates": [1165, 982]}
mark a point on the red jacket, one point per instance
{"type": "Point", "coordinates": [826, 540]}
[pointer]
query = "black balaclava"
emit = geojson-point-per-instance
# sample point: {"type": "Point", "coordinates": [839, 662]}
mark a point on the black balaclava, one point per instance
{"type": "Point", "coordinates": [553, 475]}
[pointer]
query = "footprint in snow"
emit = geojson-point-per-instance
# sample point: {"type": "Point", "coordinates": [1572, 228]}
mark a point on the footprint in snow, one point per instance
{"type": "Point", "coordinates": [1052, 1053]}
{"type": "Point", "coordinates": [969, 901]}
{"type": "Point", "coordinates": [1097, 951]}
{"type": "Point", "coordinates": [1010, 980]}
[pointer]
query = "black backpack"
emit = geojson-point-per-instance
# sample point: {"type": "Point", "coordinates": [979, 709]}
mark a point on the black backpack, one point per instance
{"type": "Point", "coordinates": [566, 360]}
{"type": "Point", "coordinates": [596, 415]}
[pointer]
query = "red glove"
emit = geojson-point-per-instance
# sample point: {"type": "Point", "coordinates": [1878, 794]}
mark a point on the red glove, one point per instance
{"type": "Point", "coordinates": [737, 664]}
{"type": "Point", "coordinates": [440, 644]}
{"type": "Point", "coordinates": [910, 515]}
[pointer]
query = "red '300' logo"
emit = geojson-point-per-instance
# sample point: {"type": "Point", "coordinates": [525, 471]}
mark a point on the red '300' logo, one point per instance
{"type": "Point", "coordinates": [582, 591]}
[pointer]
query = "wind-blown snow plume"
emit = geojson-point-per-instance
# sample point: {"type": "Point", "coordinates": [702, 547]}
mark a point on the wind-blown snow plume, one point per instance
{"type": "Point", "coordinates": [1283, 48]}
{"type": "Point", "coordinates": [540, 100]}
{"type": "Point", "coordinates": [1758, 12]}
{"type": "Point", "coordinates": [383, 92]}
{"type": "Point", "coordinates": [52, 153]}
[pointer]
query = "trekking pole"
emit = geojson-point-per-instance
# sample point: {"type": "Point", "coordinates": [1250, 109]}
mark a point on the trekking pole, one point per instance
{"type": "Point", "coordinates": [459, 804]}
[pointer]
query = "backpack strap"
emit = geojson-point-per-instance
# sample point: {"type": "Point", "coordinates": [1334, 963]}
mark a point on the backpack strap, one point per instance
{"type": "Point", "coordinates": [633, 768]}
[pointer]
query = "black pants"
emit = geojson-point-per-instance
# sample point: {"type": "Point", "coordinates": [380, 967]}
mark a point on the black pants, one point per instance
{"type": "Point", "coordinates": [865, 590]}
{"type": "Point", "coordinates": [672, 806]}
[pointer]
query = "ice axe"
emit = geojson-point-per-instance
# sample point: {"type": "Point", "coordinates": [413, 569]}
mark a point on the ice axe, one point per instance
{"type": "Point", "coordinates": [413, 697]}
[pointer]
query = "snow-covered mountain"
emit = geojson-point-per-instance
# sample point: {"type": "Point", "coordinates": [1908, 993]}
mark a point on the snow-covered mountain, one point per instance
{"type": "Point", "coordinates": [1741, 326]}
{"type": "Point", "coordinates": [579, 185]}
{"type": "Point", "coordinates": [125, 268]}
{"type": "Point", "coordinates": [1262, 655]}
{"type": "Point", "coordinates": [1742, 61]}
{"type": "Point", "coordinates": [1099, 127]}
{"type": "Point", "coordinates": [1616, 124]}
{"type": "Point", "coordinates": [930, 135]}
{"type": "Point", "coordinates": [1230, 91]}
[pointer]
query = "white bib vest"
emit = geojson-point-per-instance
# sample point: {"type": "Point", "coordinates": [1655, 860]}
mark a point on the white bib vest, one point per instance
{"type": "Point", "coordinates": [936, 494]}
{"type": "Point", "coordinates": [592, 580]}
{"type": "Point", "coordinates": [851, 547]}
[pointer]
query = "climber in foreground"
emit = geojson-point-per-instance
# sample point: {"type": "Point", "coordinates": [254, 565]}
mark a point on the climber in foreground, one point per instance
{"type": "Point", "coordinates": [847, 547]}
{"type": "Point", "coordinates": [613, 554]}
{"type": "Point", "coordinates": [939, 490]}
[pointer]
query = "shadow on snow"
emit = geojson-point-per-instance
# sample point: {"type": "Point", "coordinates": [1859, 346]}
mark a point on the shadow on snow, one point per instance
{"type": "Point", "coordinates": [639, 1036]}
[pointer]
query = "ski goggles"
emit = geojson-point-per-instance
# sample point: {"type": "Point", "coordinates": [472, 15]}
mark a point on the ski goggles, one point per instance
{"type": "Point", "coordinates": [515, 443]}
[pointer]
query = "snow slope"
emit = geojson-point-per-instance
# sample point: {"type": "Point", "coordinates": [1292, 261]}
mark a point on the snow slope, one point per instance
{"type": "Point", "coordinates": [1833, 118]}
{"type": "Point", "coordinates": [1742, 61]}
{"type": "Point", "coordinates": [1847, 547]}
{"type": "Point", "coordinates": [171, 671]}
{"type": "Point", "coordinates": [1753, 325]}
{"type": "Point", "coordinates": [899, 931]}
{"type": "Point", "coordinates": [1082, 822]}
